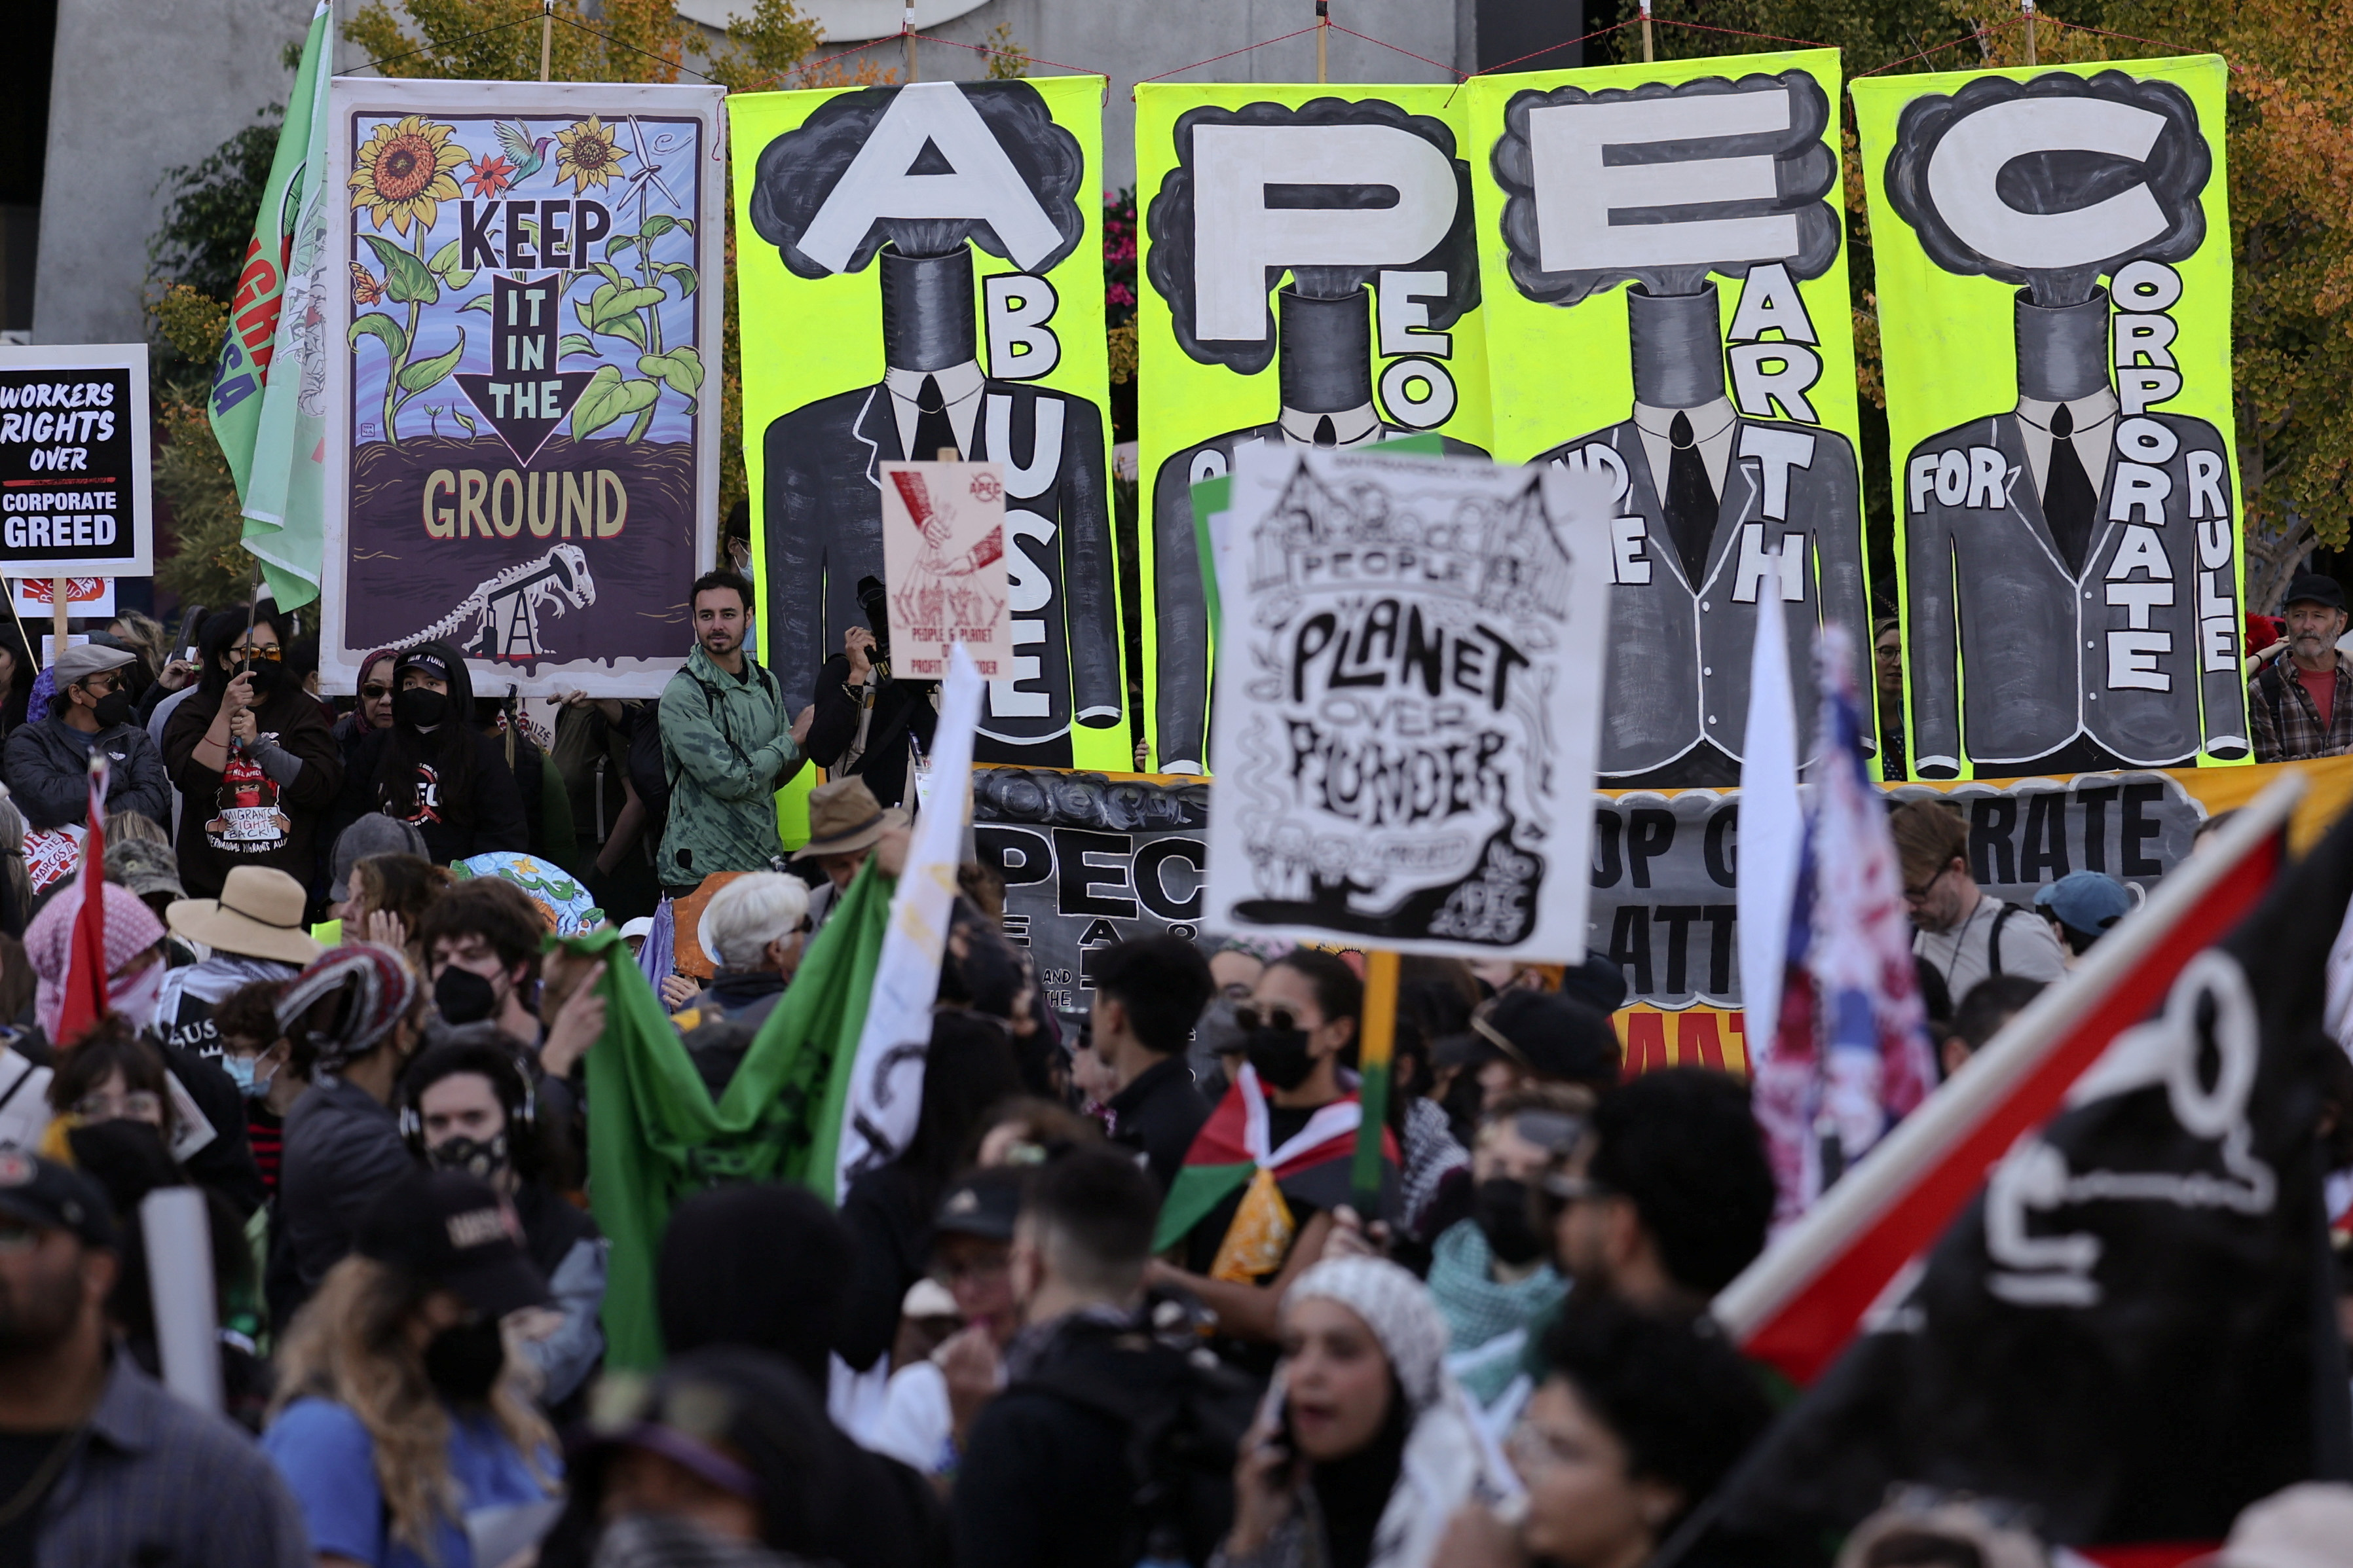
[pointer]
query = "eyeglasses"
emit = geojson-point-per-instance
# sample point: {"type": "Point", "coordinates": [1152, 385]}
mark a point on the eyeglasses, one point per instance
{"type": "Point", "coordinates": [103, 683]}
{"type": "Point", "coordinates": [138, 1105]}
{"type": "Point", "coordinates": [376, 692]}
{"type": "Point", "coordinates": [1250, 1017]}
{"type": "Point", "coordinates": [269, 650]}
{"type": "Point", "coordinates": [1916, 894]}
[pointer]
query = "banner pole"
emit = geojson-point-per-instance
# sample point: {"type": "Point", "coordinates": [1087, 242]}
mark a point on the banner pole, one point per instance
{"type": "Point", "coordinates": [907, 33]}
{"type": "Point", "coordinates": [1376, 1042]}
{"type": "Point", "coordinates": [1323, 32]}
{"type": "Point", "coordinates": [1647, 56]}
{"type": "Point", "coordinates": [57, 613]}
{"type": "Point", "coordinates": [2028, 5]}
{"type": "Point", "coordinates": [546, 35]}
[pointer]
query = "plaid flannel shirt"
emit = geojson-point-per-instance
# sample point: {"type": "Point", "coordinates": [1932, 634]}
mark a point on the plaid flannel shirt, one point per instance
{"type": "Point", "coordinates": [2287, 725]}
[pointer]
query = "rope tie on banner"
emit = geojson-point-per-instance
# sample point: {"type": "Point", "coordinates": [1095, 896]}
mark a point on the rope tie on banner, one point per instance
{"type": "Point", "coordinates": [1980, 36]}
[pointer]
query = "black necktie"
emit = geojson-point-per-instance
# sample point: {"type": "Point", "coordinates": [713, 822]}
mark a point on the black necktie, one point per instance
{"type": "Point", "coordinates": [2069, 497]}
{"type": "Point", "coordinates": [1690, 500]}
{"type": "Point", "coordinates": [933, 430]}
{"type": "Point", "coordinates": [1326, 434]}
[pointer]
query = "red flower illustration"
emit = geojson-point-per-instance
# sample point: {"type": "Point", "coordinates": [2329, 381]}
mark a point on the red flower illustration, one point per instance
{"type": "Point", "coordinates": [491, 177]}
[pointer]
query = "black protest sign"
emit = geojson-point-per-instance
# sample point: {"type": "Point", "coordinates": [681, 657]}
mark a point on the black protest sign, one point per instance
{"type": "Point", "coordinates": [1089, 861]}
{"type": "Point", "coordinates": [73, 461]}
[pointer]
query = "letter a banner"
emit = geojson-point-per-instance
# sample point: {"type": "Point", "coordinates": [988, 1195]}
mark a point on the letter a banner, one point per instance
{"type": "Point", "coordinates": [2053, 255]}
{"type": "Point", "coordinates": [1312, 282]}
{"type": "Point", "coordinates": [522, 461]}
{"type": "Point", "coordinates": [1666, 281]}
{"type": "Point", "coordinates": [919, 274]}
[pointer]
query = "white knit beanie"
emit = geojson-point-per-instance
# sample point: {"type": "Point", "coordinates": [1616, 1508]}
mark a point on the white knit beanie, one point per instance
{"type": "Point", "coordinates": [1397, 1307]}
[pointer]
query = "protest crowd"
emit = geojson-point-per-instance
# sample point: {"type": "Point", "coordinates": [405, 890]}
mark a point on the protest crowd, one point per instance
{"type": "Point", "coordinates": [704, 1056]}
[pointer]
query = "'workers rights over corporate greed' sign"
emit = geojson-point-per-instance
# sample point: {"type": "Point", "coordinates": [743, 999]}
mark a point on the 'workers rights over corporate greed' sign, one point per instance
{"type": "Point", "coordinates": [73, 461]}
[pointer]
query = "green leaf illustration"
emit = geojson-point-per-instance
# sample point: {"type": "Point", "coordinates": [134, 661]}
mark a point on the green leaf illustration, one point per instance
{"type": "Point", "coordinates": [620, 242]}
{"type": "Point", "coordinates": [405, 278]}
{"type": "Point", "coordinates": [680, 274]}
{"type": "Point", "coordinates": [426, 373]}
{"type": "Point", "coordinates": [464, 419]}
{"type": "Point", "coordinates": [574, 343]}
{"type": "Point", "coordinates": [607, 398]}
{"type": "Point", "coordinates": [627, 302]}
{"type": "Point", "coordinates": [681, 368]}
{"type": "Point", "coordinates": [609, 273]}
{"type": "Point", "coordinates": [625, 325]}
{"type": "Point", "coordinates": [478, 302]}
{"type": "Point", "coordinates": [658, 225]}
{"type": "Point", "coordinates": [376, 324]}
{"type": "Point", "coordinates": [443, 260]}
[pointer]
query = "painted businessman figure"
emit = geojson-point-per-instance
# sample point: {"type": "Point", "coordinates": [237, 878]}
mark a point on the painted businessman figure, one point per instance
{"type": "Point", "coordinates": [988, 163]}
{"type": "Point", "coordinates": [1720, 515]}
{"type": "Point", "coordinates": [2071, 559]}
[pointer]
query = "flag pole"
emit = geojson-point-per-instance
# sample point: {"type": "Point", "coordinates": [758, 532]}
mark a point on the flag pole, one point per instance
{"type": "Point", "coordinates": [546, 35]}
{"type": "Point", "coordinates": [1376, 1044]}
{"type": "Point", "coordinates": [59, 610]}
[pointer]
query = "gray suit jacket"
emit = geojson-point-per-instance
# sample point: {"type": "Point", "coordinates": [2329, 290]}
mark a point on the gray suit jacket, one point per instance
{"type": "Point", "coordinates": [1679, 655]}
{"type": "Point", "coordinates": [823, 513]}
{"type": "Point", "coordinates": [1180, 607]}
{"type": "Point", "coordinates": [2013, 657]}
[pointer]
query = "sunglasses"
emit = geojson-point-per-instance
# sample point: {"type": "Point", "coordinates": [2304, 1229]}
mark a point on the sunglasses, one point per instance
{"type": "Point", "coordinates": [376, 692]}
{"type": "Point", "coordinates": [1249, 1016]}
{"type": "Point", "coordinates": [271, 652]}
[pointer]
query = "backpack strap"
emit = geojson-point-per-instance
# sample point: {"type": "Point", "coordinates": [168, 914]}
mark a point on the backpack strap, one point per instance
{"type": "Point", "coordinates": [1993, 940]}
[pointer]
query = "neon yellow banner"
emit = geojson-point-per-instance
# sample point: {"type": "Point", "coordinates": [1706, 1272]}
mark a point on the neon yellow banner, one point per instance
{"type": "Point", "coordinates": [920, 269]}
{"type": "Point", "coordinates": [2053, 256]}
{"type": "Point", "coordinates": [1664, 253]}
{"type": "Point", "coordinates": [1312, 277]}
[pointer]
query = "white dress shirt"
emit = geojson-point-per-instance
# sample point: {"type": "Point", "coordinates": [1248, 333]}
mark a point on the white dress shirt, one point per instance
{"type": "Point", "coordinates": [959, 385]}
{"type": "Point", "coordinates": [1710, 425]}
{"type": "Point", "coordinates": [2094, 437]}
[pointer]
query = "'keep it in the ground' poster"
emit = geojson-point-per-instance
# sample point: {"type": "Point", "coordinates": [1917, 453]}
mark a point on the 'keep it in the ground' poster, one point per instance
{"type": "Point", "coordinates": [528, 418]}
{"type": "Point", "coordinates": [920, 271]}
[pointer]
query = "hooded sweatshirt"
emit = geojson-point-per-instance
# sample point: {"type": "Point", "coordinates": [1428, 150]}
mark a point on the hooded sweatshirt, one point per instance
{"type": "Point", "coordinates": [486, 814]}
{"type": "Point", "coordinates": [292, 746]}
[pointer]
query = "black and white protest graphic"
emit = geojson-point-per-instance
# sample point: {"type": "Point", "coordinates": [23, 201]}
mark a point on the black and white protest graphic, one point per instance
{"type": "Point", "coordinates": [1730, 492]}
{"type": "Point", "coordinates": [1406, 714]}
{"type": "Point", "coordinates": [2071, 555]}
{"type": "Point", "coordinates": [910, 180]}
{"type": "Point", "coordinates": [1368, 211]}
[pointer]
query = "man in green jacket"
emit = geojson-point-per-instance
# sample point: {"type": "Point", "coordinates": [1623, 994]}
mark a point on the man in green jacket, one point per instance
{"type": "Point", "coordinates": [727, 745]}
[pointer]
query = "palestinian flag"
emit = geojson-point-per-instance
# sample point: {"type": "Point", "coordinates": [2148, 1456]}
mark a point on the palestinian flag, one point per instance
{"type": "Point", "coordinates": [1233, 1151]}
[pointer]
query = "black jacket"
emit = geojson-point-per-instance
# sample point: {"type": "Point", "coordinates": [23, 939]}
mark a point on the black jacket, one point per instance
{"type": "Point", "coordinates": [889, 1219]}
{"type": "Point", "coordinates": [497, 820]}
{"type": "Point", "coordinates": [899, 707]}
{"type": "Point", "coordinates": [48, 774]}
{"type": "Point", "coordinates": [343, 1149]}
{"type": "Point", "coordinates": [1159, 1115]}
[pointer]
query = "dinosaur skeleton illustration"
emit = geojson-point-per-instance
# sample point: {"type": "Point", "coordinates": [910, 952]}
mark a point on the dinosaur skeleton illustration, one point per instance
{"type": "Point", "coordinates": [499, 619]}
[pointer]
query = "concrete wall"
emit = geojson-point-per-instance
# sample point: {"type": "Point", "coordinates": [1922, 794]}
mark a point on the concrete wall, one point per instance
{"type": "Point", "coordinates": [1128, 40]}
{"type": "Point", "coordinates": [138, 89]}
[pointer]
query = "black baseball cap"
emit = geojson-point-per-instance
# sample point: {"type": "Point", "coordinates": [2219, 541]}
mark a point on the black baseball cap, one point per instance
{"type": "Point", "coordinates": [1599, 983]}
{"type": "Point", "coordinates": [984, 1204]}
{"type": "Point", "coordinates": [2312, 588]}
{"type": "Point", "coordinates": [1552, 1034]}
{"type": "Point", "coordinates": [43, 1193]}
{"type": "Point", "coordinates": [453, 1230]}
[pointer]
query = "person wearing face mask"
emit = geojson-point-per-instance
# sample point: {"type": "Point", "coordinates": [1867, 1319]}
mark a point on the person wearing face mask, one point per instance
{"type": "Point", "coordinates": [1252, 1207]}
{"type": "Point", "coordinates": [355, 1018]}
{"type": "Point", "coordinates": [255, 931]}
{"type": "Point", "coordinates": [372, 710]}
{"type": "Point", "coordinates": [432, 768]}
{"type": "Point", "coordinates": [257, 1057]}
{"type": "Point", "coordinates": [1488, 1273]}
{"type": "Point", "coordinates": [467, 1105]}
{"type": "Point", "coordinates": [1365, 1449]}
{"type": "Point", "coordinates": [402, 1424]}
{"type": "Point", "coordinates": [48, 761]}
{"type": "Point", "coordinates": [250, 753]}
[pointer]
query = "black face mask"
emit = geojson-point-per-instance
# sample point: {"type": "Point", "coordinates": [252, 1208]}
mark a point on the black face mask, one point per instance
{"type": "Point", "coordinates": [266, 675]}
{"type": "Point", "coordinates": [1279, 1056]}
{"type": "Point", "coordinates": [112, 709]}
{"type": "Point", "coordinates": [483, 1160]}
{"type": "Point", "coordinates": [1502, 1214]}
{"type": "Point", "coordinates": [463, 1364]}
{"type": "Point", "coordinates": [420, 707]}
{"type": "Point", "coordinates": [464, 996]}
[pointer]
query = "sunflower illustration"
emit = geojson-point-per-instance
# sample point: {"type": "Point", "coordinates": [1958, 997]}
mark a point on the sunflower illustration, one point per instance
{"type": "Point", "coordinates": [587, 155]}
{"type": "Point", "coordinates": [403, 173]}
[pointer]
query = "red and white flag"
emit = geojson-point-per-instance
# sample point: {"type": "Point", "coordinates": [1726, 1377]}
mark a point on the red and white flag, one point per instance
{"type": "Point", "coordinates": [85, 987]}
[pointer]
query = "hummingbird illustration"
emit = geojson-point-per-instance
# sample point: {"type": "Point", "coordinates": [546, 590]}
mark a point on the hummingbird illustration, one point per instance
{"type": "Point", "coordinates": [525, 153]}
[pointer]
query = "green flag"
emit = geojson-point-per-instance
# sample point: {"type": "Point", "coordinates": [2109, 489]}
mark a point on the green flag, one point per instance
{"type": "Point", "coordinates": [654, 1135]}
{"type": "Point", "coordinates": [242, 370]}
